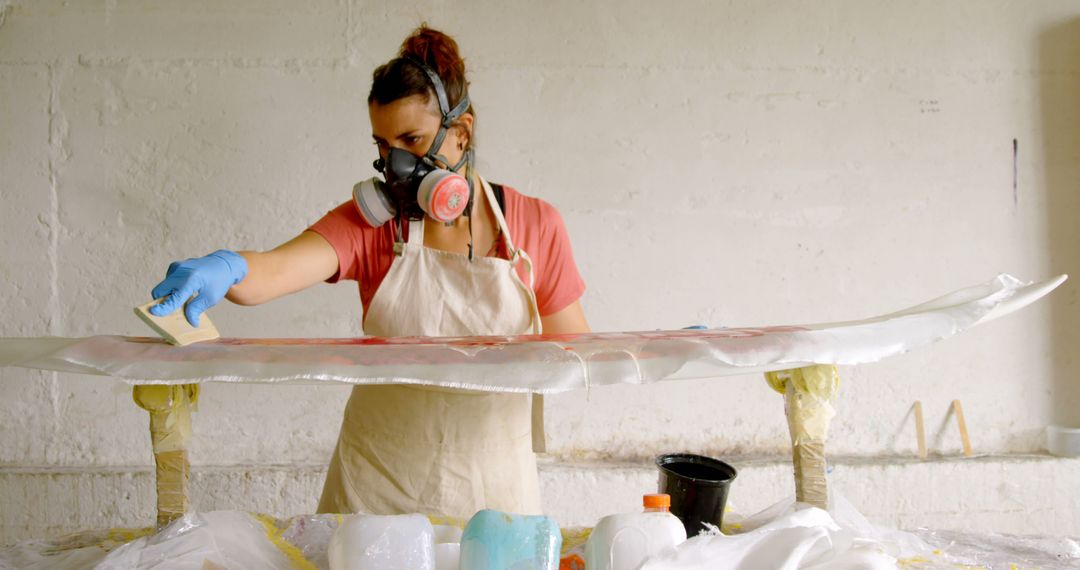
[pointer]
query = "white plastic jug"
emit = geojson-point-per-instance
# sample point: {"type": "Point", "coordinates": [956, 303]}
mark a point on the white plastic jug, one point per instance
{"type": "Point", "coordinates": [448, 556]}
{"type": "Point", "coordinates": [447, 547]}
{"type": "Point", "coordinates": [374, 542]}
{"type": "Point", "coordinates": [446, 534]}
{"type": "Point", "coordinates": [623, 542]}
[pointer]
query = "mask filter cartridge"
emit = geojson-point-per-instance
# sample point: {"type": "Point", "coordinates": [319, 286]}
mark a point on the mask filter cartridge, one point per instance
{"type": "Point", "coordinates": [442, 195]}
{"type": "Point", "coordinates": [372, 202]}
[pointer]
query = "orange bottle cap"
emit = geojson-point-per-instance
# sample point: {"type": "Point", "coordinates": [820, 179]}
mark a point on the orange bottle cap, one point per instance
{"type": "Point", "coordinates": [660, 501]}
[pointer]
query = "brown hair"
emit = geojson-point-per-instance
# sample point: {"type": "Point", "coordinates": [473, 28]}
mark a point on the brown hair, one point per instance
{"type": "Point", "coordinates": [398, 78]}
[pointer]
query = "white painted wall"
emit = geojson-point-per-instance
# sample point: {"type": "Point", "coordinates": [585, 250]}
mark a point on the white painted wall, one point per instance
{"type": "Point", "coordinates": [737, 163]}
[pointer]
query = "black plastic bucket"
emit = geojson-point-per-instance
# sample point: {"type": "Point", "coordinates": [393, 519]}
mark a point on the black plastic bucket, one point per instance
{"type": "Point", "coordinates": [698, 486]}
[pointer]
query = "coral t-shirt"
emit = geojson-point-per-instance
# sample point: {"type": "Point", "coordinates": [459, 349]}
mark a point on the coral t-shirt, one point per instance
{"type": "Point", "coordinates": [365, 253]}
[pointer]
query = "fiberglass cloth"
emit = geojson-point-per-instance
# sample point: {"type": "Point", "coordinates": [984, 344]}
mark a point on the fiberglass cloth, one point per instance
{"type": "Point", "coordinates": [533, 363]}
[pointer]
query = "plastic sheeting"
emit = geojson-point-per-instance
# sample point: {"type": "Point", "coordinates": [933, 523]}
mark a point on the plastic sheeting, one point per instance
{"type": "Point", "coordinates": [803, 538]}
{"type": "Point", "coordinates": [542, 364]}
{"type": "Point", "coordinates": [786, 535]}
{"type": "Point", "coordinates": [219, 539]}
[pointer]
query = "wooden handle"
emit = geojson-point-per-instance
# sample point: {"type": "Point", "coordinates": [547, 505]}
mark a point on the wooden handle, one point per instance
{"type": "Point", "coordinates": [959, 411]}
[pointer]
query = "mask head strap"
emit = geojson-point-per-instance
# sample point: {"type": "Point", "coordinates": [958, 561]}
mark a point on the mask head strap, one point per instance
{"type": "Point", "coordinates": [448, 115]}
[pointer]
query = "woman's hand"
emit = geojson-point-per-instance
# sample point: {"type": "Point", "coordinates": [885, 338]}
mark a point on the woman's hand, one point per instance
{"type": "Point", "coordinates": [206, 278]}
{"type": "Point", "coordinates": [246, 277]}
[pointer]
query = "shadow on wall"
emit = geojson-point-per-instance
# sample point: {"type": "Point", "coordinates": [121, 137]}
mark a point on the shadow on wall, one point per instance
{"type": "Point", "coordinates": [1059, 98]}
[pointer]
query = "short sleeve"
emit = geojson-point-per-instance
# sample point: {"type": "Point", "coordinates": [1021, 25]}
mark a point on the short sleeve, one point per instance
{"type": "Point", "coordinates": [339, 227]}
{"type": "Point", "coordinates": [558, 282]}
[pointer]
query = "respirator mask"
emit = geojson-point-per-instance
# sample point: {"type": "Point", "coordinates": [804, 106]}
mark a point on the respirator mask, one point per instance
{"type": "Point", "coordinates": [417, 185]}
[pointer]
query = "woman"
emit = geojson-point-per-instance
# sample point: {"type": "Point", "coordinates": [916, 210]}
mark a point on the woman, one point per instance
{"type": "Point", "coordinates": [403, 448]}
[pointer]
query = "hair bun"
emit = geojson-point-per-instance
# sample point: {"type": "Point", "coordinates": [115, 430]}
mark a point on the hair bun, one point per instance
{"type": "Point", "coordinates": [436, 50]}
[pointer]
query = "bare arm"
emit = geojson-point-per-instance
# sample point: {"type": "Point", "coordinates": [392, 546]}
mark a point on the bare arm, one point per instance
{"type": "Point", "coordinates": [566, 321]}
{"type": "Point", "coordinates": [296, 264]}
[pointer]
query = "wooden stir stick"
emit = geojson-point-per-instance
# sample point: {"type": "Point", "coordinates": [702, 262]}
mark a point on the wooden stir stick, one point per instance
{"type": "Point", "coordinates": [959, 411]}
{"type": "Point", "coordinates": [920, 429]}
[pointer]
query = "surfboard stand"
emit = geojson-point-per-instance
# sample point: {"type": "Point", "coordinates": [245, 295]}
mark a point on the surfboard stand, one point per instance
{"type": "Point", "coordinates": [170, 410]}
{"type": "Point", "coordinates": [808, 396]}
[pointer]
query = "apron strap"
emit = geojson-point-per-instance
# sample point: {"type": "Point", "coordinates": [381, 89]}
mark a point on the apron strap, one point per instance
{"type": "Point", "coordinates": [516, 255]}
{"type": "Point", "coordinates": [520, 255]}
{"type": "Point", "coordinates": [539, 435]}
{"type": "Point", "coordinates": [416, 232]}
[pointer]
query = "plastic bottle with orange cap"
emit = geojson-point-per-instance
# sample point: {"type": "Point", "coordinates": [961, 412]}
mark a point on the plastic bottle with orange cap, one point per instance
{"type": "Point", "coordinates": [624, 541]}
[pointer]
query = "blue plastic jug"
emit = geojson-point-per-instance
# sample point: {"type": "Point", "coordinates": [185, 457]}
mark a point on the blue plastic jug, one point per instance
{"type": "Point", "coordinates": [494, 540]}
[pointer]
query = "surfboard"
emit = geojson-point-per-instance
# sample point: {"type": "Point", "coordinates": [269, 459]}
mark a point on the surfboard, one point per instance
{"type": "Point", "coordinates": [536, 363]}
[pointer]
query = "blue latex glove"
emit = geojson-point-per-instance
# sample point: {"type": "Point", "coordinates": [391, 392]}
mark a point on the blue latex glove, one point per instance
{"type": "Point", "coordinates": [210, 277]}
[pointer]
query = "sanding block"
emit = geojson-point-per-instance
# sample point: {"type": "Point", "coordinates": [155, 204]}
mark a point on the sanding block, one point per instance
{"type": "Point", "coordinates": [175, 328]}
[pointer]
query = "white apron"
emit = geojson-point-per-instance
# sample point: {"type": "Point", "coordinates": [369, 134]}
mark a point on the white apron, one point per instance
{"type": "Point", "coordinates": [416, 449]}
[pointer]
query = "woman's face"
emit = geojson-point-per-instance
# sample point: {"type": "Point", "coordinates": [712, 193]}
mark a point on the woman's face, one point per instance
{"type": "Point", "coordinates": [410, 123]}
